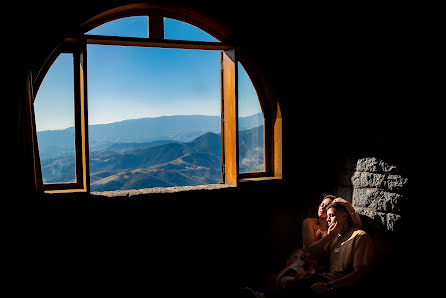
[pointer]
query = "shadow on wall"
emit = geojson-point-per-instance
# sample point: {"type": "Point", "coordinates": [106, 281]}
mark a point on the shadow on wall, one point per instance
{"type": "Point", "coordinates": [379, 192]}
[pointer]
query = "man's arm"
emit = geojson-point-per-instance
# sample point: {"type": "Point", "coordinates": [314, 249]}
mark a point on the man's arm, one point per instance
{"type": "Point", "coordinates": [317, 248]}
{"type": "Point", "coordinates": [362, 263]}
{"type": "Point", "coordinates": [350, 279]}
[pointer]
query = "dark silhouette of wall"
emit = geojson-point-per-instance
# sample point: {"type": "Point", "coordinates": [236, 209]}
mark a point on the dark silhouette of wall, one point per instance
{"type": "Point", "coordinates": [341, 77]}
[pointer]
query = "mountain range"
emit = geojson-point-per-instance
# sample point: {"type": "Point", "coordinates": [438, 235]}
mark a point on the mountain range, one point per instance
{"type": "Point", "coordinates": [156, 163]}
{"type": "Point", "coordinates": [180, 128]}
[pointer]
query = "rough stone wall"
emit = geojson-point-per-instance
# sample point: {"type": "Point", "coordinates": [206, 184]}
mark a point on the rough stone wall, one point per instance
{"type": "Point", "coordinates": [379, 193]}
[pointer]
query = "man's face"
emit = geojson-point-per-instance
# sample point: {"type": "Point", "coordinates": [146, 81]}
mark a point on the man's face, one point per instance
{"type": "Point", "coordinates": [331, 216]}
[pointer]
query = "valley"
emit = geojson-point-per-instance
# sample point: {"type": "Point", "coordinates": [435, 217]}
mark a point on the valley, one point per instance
{"type": "Point", "coordinates": [164, 162]}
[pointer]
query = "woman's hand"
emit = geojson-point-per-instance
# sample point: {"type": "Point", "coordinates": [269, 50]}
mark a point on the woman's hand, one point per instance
{"type": "Point", "coordinates": [341, 201]}
{"type": "Point", "coordinates": [346, 204]}
{"type": "Point", "coordinates": [356, 219]}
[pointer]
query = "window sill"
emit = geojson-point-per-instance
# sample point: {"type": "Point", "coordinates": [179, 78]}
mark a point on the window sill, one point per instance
{"type": "Point", "coordinates": [256, 179]}
{"type": "Point", "coordinates": [158, 190]}
{"type": "Point", "coordinates": [64, 191]}
{"type": "Point", "coordinates": [134, 193]}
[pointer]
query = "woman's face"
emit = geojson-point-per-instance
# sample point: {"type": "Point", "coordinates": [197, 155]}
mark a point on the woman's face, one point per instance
{"type": "Point", "coordinates": [322, 211]}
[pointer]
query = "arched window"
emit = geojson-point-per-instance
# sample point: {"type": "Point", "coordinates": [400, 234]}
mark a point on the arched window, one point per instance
{"type": "Point", "coordinates": [162, 103]}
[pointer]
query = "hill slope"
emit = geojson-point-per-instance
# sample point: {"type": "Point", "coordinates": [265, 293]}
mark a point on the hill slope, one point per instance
{"type": "Point", "coordinates": [171, 164]}
{"type": "Point", "coordinates": [181, 128]}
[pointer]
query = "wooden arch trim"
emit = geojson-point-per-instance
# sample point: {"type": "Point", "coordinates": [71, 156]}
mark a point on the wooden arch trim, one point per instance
{"type": "Point", "coordinates": [267, 97]}
{"type": "Point", "coordinates": [177, 12]}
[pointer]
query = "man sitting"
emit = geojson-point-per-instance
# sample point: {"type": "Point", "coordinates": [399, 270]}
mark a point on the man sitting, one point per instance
{"type": "Point", "coordinates": [351, 253]}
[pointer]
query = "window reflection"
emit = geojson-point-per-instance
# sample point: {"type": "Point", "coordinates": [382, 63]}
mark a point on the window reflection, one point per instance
{"type": "Point", "coordinates": [54, 113]}
{"type": "Point", "coordinates": [251, 128]}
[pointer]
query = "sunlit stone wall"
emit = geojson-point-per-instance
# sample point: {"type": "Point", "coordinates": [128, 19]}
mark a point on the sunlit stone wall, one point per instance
{"type": "Point", "coordinates": [379, 192]}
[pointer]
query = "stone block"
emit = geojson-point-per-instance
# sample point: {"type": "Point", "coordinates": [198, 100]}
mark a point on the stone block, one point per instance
{"type": "Point", "coordinates": [396, 182]}
{"type": "Point", "coordinates": [368, 180]}
{"type": "Point", "coordinates": [393, 221]}
{"type": "Point", "coordinates": [375, 165]}
{"type": "Point", "coordinates": [368, 164]}
{"type": "Point", "coordinates": [378, 199]}
{"type": "Point", "coordinates": [394, 202]}
{"type": "Point", "coordinates": [387, 168]}
{"type": "Point", "coordinates": [364, 197]}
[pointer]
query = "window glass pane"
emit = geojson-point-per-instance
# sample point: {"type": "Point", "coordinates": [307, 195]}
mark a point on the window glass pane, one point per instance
{"type": "Point", "coordinates": [154, 117]}
{"type": "Point", "coordinates": [251, 132]}
{"type": "Point", "coordinates": [174, 29]}
{"type": "Point", "coordinates": [127, 27]}
{"type": "Point", "coordinates": [54, 112]}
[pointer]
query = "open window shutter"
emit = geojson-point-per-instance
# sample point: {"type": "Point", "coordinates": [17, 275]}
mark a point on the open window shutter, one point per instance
{"type": "Point", "coordinates": [81, 117]}
{"type": "Point", "coordinates": [229, 117]}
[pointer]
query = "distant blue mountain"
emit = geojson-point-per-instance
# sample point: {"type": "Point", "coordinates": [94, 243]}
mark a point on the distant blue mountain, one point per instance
{"type": "Point", "coordinates": [60, 143]}
{"type": "Point", "coordinates": [128, 155]}
{"type": "Point", "coordinates": [121, 147]}
{"type": "Point", "coordinates": [170, 164]}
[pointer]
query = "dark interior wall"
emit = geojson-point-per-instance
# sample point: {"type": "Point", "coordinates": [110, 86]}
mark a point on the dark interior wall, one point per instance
{"type": "Point", "coordinates": [341, 79]}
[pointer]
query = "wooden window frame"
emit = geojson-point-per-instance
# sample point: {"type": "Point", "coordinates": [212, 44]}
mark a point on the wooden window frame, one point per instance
{"type": "Point", "coordinates": [229, 101]}
{"type": "Point", "coordinates": [81, 151]}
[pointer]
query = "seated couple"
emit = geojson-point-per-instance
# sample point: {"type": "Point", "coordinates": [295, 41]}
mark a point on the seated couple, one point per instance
{"type": "Point", "coordinates": [334, 237]}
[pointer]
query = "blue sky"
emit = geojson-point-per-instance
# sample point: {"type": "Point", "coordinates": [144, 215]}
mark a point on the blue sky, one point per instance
{"type": "Point", "coordinates": [134, 82]}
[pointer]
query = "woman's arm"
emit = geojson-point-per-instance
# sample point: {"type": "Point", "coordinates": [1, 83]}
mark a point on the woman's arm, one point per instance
{"type": "Point", "coordinates": [356, 219]}
{"type": "Point", "coordinates": [307, 232]}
